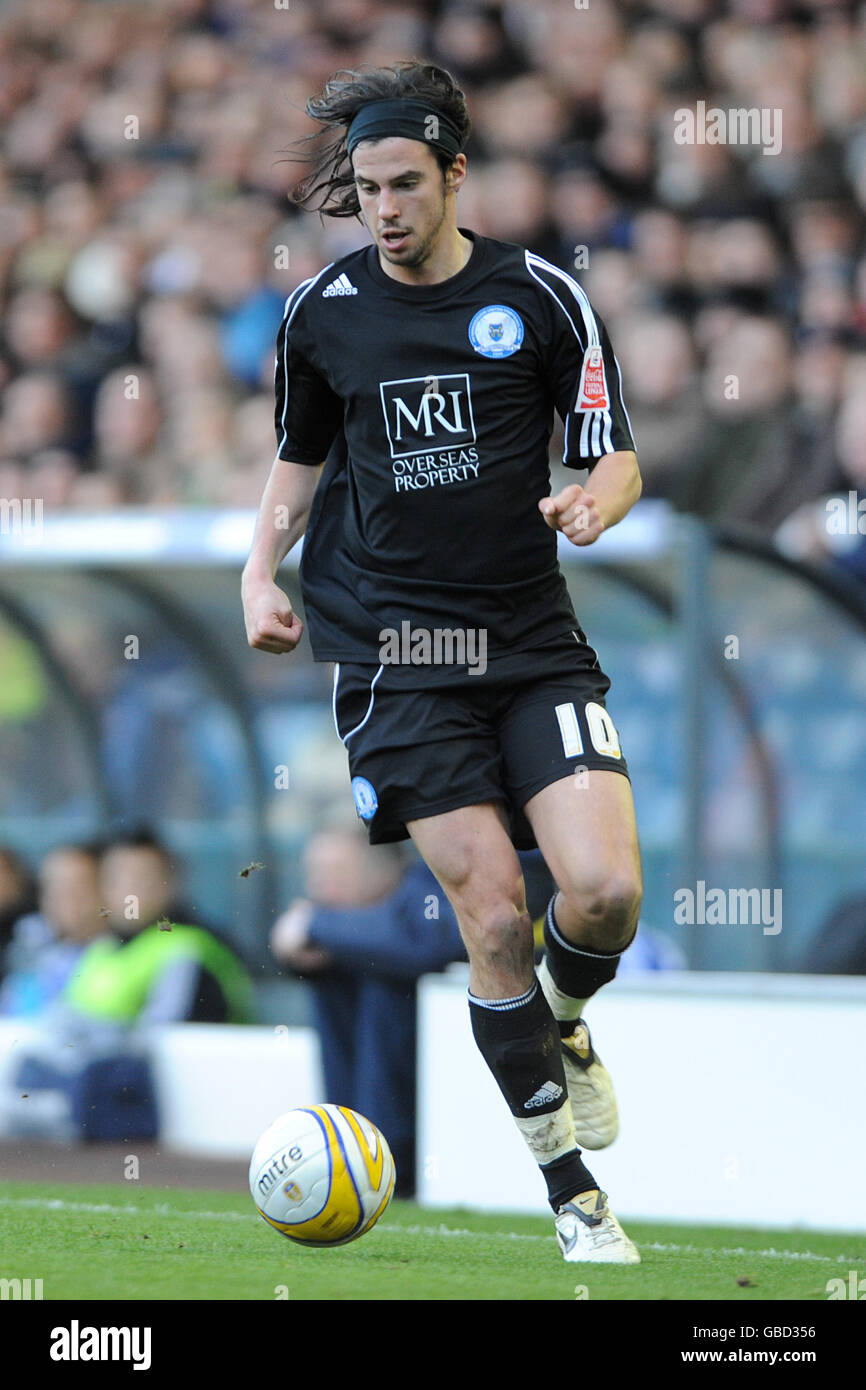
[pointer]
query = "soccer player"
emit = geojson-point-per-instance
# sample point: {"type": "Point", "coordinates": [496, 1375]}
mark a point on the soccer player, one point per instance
{"type": "Point", "coordinates": [424, 371]}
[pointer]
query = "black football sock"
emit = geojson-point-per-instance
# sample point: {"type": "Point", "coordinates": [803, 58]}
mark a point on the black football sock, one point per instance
{"type": "Point", "coordinates": [575, 973]}
{"type": "Point", "coordinates": [520, 1041]}
{"type": "Point", "coordinates": [566, 1178]}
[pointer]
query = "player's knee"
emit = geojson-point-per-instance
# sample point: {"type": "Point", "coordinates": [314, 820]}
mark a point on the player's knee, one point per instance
{"type": "Point", "coordinates": [607, 908]}
{"type": "Point", "coordinates": [484, 901]}
{"type": "Point", "coordinates": [499, 938]}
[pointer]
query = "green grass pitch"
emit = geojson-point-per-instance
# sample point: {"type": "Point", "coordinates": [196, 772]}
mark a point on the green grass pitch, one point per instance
{"type": "Point", "coordinates": [124, 1241]}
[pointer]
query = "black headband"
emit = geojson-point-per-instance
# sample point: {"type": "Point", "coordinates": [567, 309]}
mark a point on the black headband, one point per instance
{"type": "Point", "coordinates": [414, 120]}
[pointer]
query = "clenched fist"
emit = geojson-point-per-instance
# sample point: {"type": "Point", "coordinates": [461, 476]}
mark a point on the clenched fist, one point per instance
{"type": "Point", "coordinates": [271, 624]}
{"type": "Point", "coordinates": [573, 512]}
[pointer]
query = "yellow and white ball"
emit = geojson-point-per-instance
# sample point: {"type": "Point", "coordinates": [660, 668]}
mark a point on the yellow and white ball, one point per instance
{"type": "Point", "coordinates": [322, 1176]}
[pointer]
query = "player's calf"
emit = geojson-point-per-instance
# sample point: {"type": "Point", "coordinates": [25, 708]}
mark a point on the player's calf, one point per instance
{"type": "Point", "coordinates": [499, 943]}
{"type": "Point", "coordinates": [519, 1040]}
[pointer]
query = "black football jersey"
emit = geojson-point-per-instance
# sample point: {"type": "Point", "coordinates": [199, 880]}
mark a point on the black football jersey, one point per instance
{"type": "Point", "coordinates": [433, 408]}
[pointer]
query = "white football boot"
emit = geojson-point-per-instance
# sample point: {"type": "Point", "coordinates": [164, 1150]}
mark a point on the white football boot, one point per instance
{"type": "Point", "coordinates": [590, 1089]}
{"type": "Point", "coordinates": [594, 1236]}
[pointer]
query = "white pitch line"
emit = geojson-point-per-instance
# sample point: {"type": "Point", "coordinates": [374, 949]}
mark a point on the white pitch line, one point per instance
{"type": "Point", "coordinates": [739, 1250]}
{"type": "Point", "coordinates": [101, 1208]}
{"type": "Point", "coordinates": [460, 1232]}
{"type": "Point", "coordinates": [743, 1250]}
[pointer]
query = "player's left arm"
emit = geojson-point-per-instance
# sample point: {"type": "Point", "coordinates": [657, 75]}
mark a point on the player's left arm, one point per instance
{"type": "Point", "coordinates": [581, 513]}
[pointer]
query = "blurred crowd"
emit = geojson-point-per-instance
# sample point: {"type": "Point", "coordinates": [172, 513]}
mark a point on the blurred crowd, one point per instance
{"type": "Point", "coordinates": [99, 936]}
{"type": "Point", "coordinates": [147, 243]}
{"type": "Point", "coordinates": [95, 948]}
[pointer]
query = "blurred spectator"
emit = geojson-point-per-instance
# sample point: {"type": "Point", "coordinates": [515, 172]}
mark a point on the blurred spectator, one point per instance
{"type": "Point", "coordinates": [39, 328]}
{"type": "Point", "coordinates": [516, 205]}
{"type": "Point", "coordinates": [37, 414]}
{"type": "Point", "coordinates": [46, 944]}
{"type": "Point", "coordinates": [127, 420]}
{"type": "Point", "coordinates": [834, 528]}
{"type": "Point", "coordinates": [743, 469]}
{"type": "Point", "coordinates": [152, 966]}
{"type": "Point", "coordinates": [660, 253]}
{"type": "Point", "coordinates": [665, 409]}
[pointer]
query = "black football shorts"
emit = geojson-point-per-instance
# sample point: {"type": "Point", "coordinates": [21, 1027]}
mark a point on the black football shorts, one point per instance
{"type": "Point", "coordinates": [530, 719]}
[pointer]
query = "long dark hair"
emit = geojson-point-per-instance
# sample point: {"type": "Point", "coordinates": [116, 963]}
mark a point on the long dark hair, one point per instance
{"type": "Point", "coordinates": [335, 107]}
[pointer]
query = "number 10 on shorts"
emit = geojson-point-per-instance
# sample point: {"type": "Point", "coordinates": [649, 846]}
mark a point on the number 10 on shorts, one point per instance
{"type": "Point", "coordinates": [602, 730]}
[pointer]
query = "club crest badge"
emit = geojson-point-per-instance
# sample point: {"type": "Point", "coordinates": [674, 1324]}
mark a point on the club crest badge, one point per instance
{"type": "Point", "coordinates": [366, 800]}
{"type": "Point", "coordinates": [496, 331]}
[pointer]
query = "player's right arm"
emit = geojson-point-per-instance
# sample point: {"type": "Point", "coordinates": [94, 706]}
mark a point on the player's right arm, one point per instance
{"type": "Point", "coordinates": [307, 417]}
{"type": "Point", "coordinates": [271, 624]}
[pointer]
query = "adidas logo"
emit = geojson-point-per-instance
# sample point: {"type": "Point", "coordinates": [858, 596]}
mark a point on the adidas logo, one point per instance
{"type": "Point", "coordinates": [342, 285]}
{"type": "Point", "coordinates": [543, 1096]}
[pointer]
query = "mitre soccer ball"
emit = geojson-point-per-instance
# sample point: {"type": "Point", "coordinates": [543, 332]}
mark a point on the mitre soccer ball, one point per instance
{"type": "Point", "coordinates": [322, 1176]}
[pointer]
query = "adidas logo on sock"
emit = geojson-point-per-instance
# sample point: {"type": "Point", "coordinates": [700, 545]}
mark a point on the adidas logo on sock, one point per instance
{"type": "Point", "coordinates": [342, 285]}
{"type": "Point", "coordinates": [543, 1096]}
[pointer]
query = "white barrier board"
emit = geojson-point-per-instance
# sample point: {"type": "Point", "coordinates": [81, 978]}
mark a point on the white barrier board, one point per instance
{"type": "Point", "coordinates": [741, 1098]}
{"type": "Point", "coordinates": [218, 1085]}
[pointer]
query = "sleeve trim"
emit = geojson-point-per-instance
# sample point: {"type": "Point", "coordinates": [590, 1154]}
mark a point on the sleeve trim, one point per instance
{"type": "Point", "coordinates": [589, 323]}
{"type": "Point", "coordinates": [298, 294]}
{"type": "Point", "coordinates": [601, 422]}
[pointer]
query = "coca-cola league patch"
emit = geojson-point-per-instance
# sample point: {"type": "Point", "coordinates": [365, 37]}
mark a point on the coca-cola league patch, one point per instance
{"type": "Point", "coordinates": [592, 393]}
